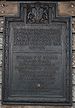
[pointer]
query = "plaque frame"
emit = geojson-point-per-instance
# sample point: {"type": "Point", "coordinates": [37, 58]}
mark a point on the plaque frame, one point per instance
{"type": "Point", "coordinates": [6, 99]}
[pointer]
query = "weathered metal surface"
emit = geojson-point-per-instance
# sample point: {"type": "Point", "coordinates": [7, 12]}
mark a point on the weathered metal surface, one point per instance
{"type": "Point", "coordinates": [37, 56]}
{"type": "Point", "coordinates": [66, 8]}
{"type": "Point", "coordinates": [8, 8]}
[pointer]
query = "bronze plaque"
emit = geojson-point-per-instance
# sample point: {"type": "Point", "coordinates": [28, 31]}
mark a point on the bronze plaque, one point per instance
{"type": "Point", "coordinates": [37, 56]}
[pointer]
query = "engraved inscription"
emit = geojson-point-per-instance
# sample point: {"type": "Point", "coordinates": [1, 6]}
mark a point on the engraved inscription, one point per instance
{"type": "Point", "coordinates": [36, 69]}
{"type": "Point", "coordinates": [37, 13]}
{"type": "Point", "coordinates": [37, 38]}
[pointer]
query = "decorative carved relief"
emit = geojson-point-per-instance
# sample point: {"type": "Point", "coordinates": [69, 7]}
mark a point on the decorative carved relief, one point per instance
{"type": "Point", "coordinates": [37, 13]}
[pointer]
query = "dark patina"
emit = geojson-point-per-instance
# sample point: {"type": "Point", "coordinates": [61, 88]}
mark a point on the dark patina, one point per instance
{"type": "Point", "coordinates": [37, 56]}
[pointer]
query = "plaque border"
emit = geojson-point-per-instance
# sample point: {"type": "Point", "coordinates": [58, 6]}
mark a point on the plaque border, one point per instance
{"type": "Point", "coordinates": [20, 17]}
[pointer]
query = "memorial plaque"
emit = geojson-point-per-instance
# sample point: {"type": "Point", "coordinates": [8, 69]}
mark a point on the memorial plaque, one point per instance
{"type": "Point", "coordinates": [37, 56]}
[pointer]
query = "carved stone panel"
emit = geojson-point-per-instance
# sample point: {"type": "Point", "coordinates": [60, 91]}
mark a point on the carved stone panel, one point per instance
{"type": "Point", "coordinates": [37, 13]}
{"type": "Point", "coordinates": [37, 56]}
